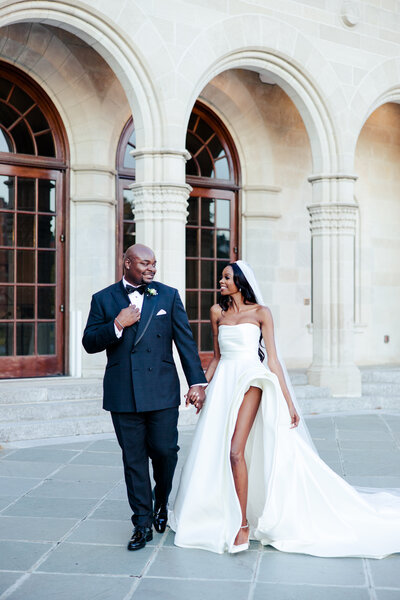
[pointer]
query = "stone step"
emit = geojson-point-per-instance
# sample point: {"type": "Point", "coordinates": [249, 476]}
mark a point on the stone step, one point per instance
{"type": "Point", "coordinates": [381, 388]}
{"type": "Point", "coordinates": [30, 430]}
{"type": "Point", "coordinates": [38, 392]}
{"type": "Point", "coordinates": [35, 411]}
{"type": "Point", "coordinates": [380, 374]}
{"type": "Point", "coordinates": [310, 391]}
{"type": "Point", "coordinates": [298, 377]}
{"type": "Point", "coordinates": [310, 406]}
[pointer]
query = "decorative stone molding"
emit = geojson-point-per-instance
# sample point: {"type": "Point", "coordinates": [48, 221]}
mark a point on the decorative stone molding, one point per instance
{"type": "Point", "coordinates": [109, 201]}
{"type": "Point", "coordinates": [333, 219]}
{"type": "Point", "coordinates": [160, 152]}
{"type": "Point", "coordinates": [93, 169]}
{"type": "Point", "coordinates": [160, 201]}
{"type": "Point", "coordinates": [319, 177]}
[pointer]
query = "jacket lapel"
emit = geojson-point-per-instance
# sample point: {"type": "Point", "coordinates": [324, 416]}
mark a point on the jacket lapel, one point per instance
{"type": "Point", "coordinates": [148, 308]}
{"type": "Point", "coordinates": [120, 295]}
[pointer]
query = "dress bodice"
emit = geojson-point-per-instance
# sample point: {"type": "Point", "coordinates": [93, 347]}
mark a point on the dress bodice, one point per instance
{"type": "Point", "coordinates": [239, 340]}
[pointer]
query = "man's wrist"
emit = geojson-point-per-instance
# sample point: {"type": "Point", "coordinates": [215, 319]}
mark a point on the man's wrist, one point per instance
{"type": "Point", "coordinates": [119, 326]}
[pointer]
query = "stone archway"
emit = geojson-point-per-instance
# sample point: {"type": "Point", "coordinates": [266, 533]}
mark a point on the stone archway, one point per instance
{"type": "Point", "coordinates": [111, 44]}
{"type": "Point", "coordinates": [271, 48]}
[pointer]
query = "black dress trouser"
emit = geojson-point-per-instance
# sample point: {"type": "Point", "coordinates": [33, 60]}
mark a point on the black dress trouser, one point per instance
{"type": "Point", "coordinates": [144, 435]}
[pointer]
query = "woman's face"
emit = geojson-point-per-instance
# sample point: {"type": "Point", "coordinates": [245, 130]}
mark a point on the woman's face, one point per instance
{"type": "Point", "coordinates": [227, 285]}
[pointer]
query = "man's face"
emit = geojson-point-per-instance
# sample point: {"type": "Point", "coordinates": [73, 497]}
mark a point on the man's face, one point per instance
{"type": "Point", "coordinates": [140, 267]}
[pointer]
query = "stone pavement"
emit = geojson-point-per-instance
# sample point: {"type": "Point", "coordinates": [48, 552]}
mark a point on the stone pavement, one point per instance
{"type": "Point", "coordinates": [65, 522]}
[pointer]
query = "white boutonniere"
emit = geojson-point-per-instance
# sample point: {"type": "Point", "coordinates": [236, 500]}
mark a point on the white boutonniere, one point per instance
{"type": "Point", "coordinates": [151, 292]}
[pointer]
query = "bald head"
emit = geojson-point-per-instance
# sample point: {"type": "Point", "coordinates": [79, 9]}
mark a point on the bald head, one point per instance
{"type": "Point", "coordinates": [139, 264]}
{"type": "Point", "coordinates": [139, 251]}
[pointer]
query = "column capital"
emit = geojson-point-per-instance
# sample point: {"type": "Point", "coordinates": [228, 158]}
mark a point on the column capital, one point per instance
{"type": "Point", "coordinates": [333, 219]}
{"type": "Point", "coordinates": [160, 200]}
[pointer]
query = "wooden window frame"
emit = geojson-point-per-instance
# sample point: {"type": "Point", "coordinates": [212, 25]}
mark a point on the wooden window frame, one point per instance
{"type": "Point", "coordinates": [124, 178]}
{"type": "Point", "coordinates": [210, 187]}
{"type": "Point", "coordinates": [48, 168]}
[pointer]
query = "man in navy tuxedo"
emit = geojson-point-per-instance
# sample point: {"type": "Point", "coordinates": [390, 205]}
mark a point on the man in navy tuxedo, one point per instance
{"type": "Point", "coordinates": [135, 321]}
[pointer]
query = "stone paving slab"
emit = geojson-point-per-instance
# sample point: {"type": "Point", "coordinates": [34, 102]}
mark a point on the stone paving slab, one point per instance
{"type": "Point", "coordinates": [72, 587]}
{"type": "Point", "coordinates": [35, 470]}
{"type": "Point", "coordinates": [299, 568]}
{"type": "Point", "coordinates": [88, 473]}
{"type": "Point", "coordinates": [96, 559]}
{"type": "Point", "coordinates": [52, 488]}
{"type": "Point", "coordinates": [181, 589]}
{"type": "Point", "coordinates": [114, 510]}
{"type": "Point", "coordinates": [308, 592]}
{"type": "Point", "coordinates": [7, 579]}
{"type": "Point", "coordinates": [34, 529]}
{"type": "Point", "coordinates": [109, 459]}
{"type": "Point", "coordinates": [48, 454]}
{"type": "Point", "coordinates": [111, 533]}
{"type": "Point", "coordinates": [199, 564]}
{"type": "Point", "coordinates": [381, 594]}
{"type": "Point", "coordinates": [51, 507]}
{"type": "Point", "coordinates": [20, 556]}
{"type": "Point", "coordinates": [65, 522]}
{"type": "Point", "coordinates": [15, 486]}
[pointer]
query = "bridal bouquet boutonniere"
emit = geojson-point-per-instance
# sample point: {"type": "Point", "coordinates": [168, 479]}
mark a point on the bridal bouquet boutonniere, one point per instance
{"type": "Point", "coordinates": [151, 292]}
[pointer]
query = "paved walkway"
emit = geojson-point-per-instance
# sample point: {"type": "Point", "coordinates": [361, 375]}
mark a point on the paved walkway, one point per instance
{"type": "Point", "coordinates": [64, 525]}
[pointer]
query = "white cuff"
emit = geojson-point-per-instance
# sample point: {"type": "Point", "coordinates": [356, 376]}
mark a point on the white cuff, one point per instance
{"type": "Point", "coordinates": [200, 384]}
{"type": "Point", "coordinates": [118, 333]}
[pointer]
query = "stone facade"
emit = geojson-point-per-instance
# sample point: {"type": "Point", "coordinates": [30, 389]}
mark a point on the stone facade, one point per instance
{"type": "Point", "coordinates": [308, 90]}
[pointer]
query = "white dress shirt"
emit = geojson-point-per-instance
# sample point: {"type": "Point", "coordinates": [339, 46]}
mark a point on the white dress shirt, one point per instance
{"type": "Point", "coordinates": [134, 298]}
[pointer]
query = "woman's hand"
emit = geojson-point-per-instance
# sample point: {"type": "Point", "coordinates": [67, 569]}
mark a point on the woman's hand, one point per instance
{"type": "Point", "coordinates": [196, 396]}
{"type": "Point", "coordinates": [294, 417]}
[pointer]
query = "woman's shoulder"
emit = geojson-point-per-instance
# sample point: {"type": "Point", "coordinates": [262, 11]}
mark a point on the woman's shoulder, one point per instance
{"type": "Point", "coordinates": [215, 310]}
{"type": "Point", "coordinates": [263, 312]}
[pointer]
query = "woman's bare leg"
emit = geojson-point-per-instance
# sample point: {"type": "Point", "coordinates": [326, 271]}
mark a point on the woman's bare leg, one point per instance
{"type": "Point", "coordinates": [247, 414]}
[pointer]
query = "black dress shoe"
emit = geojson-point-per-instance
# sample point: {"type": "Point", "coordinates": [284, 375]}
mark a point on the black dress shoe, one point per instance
{"type": "Point", "coordinates": [140, 536]}
{"type": "Point", "coordinates": [160, 518]}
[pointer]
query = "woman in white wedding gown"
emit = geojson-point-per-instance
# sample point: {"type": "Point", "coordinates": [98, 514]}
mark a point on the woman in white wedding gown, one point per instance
{"type": "Point", "coordinates": [251, 472]}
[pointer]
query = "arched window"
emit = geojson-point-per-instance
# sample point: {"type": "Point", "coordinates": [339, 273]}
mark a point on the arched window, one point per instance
{"type": "Point", "coordinates": [126, 176]}
{"type": "Point", "coordinates": [212, 226]}
{"type": "Point", "coordinates": [33, 161]}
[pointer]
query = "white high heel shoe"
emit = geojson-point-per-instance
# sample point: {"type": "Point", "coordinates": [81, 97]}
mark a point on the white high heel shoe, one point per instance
{"type": "Point", "coordinates": [240, 547]}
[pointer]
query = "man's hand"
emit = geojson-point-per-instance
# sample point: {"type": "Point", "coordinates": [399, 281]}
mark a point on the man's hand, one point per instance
{"type": "Point", "coordinates": [196, 396]}
{"type": "Point", "coordinates": [127, 316]}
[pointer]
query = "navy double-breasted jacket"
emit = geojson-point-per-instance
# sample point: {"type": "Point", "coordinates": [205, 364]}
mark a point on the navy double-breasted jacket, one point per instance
{"type": "Point", "coordinates": [140, 373]}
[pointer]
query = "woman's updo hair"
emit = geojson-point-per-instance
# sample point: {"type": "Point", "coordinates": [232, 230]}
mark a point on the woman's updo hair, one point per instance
{"type": "Point", "coordinates": [248, 294]}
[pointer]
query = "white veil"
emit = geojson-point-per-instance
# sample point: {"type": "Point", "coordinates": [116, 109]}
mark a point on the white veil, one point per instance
{"type": "Point", "coordinates": [302, 427]}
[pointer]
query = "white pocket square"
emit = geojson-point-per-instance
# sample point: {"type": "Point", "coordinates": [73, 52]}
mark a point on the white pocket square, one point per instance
{"type": "Point", "coordinates": [161, 312]}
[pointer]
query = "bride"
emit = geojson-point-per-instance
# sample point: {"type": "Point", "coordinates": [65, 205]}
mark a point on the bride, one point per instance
{"type": "Point", "coordinates": [252, 471]}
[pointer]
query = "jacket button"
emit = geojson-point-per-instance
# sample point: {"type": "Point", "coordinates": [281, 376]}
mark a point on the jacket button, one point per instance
{"type": "Point", "coordinates": [158, 334]}
{"type": "Point", "coordinates": [148, 349]}
{"type": "Point", "coordinates": [150, 368]}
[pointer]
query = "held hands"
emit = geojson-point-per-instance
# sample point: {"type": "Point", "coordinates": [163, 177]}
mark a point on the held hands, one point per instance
{"type": "Point", "coordinates": [196, 396]}
{"type": "Point", "coordinates": [294, 417]}
{"type": "Point", "coordinates": [127, 316]}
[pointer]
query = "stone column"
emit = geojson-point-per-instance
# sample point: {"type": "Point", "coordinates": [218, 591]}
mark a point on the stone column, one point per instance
{"type": "Point", "coordinates": [92, 255]}
{"type": "Point", "coordinates": [333, 225]}
{"type": "Point", "coordinates": [160, 208]}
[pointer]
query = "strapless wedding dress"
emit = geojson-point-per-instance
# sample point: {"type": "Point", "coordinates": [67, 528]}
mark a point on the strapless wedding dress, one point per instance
{"type": "Point", "coordinates": [296, 503]}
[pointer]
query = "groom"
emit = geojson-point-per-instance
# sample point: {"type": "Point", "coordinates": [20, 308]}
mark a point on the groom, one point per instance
{"type": "Point", "coordinates": [135, 321]}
